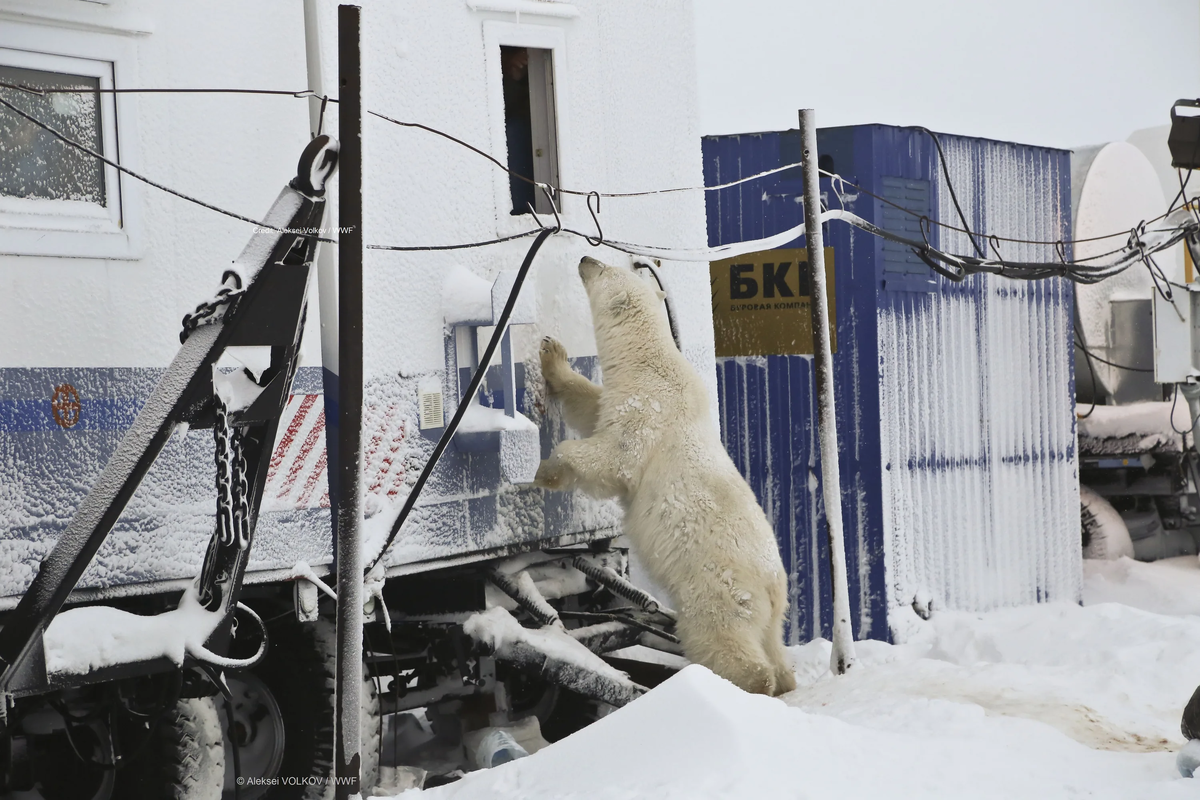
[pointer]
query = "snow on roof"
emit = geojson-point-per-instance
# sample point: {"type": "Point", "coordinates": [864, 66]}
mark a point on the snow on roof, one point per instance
{"type": "Point", "coordinates": [1136, 428]}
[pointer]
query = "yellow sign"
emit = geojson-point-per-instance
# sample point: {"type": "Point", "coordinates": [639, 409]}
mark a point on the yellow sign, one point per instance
{"type": "Point", "coordinates": [761, 303]}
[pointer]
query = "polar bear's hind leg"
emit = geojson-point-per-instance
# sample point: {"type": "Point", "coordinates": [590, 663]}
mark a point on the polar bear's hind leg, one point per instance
{"type": "Point", "coordinates": [733, 651]}
{"type": "Point", "coordinates": [785, 674]}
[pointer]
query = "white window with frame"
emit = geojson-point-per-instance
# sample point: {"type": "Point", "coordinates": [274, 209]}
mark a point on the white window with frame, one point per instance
{"type": "Point", "coordinates": [525, 65]}
{"type": "Point", "coordinates": [55, 199]}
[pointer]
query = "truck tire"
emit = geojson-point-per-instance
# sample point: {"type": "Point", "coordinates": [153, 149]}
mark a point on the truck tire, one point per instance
{"type": "Point", "coordinates": [185, 760]}
{"type": "Point", "coordinates": [295, 681]}
{"type": "Point", "coordinates": [1103, 532]}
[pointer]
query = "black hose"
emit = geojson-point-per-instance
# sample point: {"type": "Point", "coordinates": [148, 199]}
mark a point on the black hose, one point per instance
{"type": "Point", "coordinates": [468, 396]}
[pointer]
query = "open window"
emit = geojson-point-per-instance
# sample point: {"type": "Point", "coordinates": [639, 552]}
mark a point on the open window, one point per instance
{"type": "Point", "coordinates": [530, 126]}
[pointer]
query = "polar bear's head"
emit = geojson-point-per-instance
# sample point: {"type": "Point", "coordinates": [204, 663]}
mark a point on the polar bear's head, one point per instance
{"type": "Point", "coordinates": [625, 308]}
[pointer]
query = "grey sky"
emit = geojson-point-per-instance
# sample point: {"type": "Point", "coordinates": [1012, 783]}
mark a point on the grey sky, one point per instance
{"type": "Point", "coordinates": [1057, 72]}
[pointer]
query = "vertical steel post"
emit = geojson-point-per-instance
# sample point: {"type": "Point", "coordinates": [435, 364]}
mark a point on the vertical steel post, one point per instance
{"type": "Point", "coordinates": [348, 514]}
{"type": "Point", "coordinates": [842, 657]}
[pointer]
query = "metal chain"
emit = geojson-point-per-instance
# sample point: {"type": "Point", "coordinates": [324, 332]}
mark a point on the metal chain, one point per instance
{"type": "Point", "coordinates": [224, 455]}
{"type": "Point", "coordinates": [233, 506]}
{"type": "Point", "coordinates": [215, 309]}
{"type": "Point", "coordinates": [240, 487]}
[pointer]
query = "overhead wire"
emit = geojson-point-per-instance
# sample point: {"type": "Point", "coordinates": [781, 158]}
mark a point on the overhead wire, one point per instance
{"type": "Point", "coordinates": [952, 266]}
{"type": "Point", "coordinates": [148, 181]}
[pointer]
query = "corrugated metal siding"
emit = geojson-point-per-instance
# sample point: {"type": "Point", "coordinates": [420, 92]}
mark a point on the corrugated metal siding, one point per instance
{"type": "Point", "coordinates": [768, 410]}
{"type": "Point", "coordinates": [980, 478]}
{"type": "Point", "coordinates": [955, 407]}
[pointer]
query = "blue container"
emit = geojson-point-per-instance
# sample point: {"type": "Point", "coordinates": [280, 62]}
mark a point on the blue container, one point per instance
{"type": "Point", "coordinates": [954, 400]}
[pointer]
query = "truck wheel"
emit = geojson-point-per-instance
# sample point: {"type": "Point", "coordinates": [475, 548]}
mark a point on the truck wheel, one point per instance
{"type": "Point", "coordinates": [1104, 533]}
{"type": "Point", "coordinates": [185, 760]}
{"type": "Point", "coordinates": [283, 718]}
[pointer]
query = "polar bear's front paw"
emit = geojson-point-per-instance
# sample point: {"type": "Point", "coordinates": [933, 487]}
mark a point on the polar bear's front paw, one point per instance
{"type": "Point", "coordinates": [555, 366]}
{"type": "Point", "coordinates": [550, 474]}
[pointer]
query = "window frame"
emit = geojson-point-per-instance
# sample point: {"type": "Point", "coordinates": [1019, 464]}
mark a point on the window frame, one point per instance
{"type": "Point", "coordinates": [540, 37]}
{"type": "Point", "coordinates": [76, 228]}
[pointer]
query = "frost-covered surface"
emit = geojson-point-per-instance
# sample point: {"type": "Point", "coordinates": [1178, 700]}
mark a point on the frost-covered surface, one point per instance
{"type": "Point", "coordinates": [1137, 428]}
{"type": "Point", "coordinates": [978, 439]}
{"type": "Point", "coordinates": [80, 640]}
{"type": "Point", "coordinates": [1050, 701]}
{"type": "Point", "coordinates": [502, 633]}
{"type": "Point", "coordinates": [163, 531]}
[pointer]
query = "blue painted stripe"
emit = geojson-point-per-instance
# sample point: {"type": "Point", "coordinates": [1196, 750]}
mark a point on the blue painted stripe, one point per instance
{"type": "Point", "coordinates": [100, 414]}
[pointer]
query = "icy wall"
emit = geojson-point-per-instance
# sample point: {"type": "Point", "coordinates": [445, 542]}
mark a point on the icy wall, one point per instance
{"type": "Point", "coordinates": [954, 401]}
{"type": "Point", "coordinates": [980, 482]}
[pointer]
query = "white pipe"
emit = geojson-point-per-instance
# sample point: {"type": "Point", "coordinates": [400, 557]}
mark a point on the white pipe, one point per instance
{"type": "Point", "coordinates": [842, 657]}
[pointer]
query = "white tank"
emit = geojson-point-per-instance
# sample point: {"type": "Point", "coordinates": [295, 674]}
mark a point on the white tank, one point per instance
{"type": "Point", "coordinates": [1116, 188]}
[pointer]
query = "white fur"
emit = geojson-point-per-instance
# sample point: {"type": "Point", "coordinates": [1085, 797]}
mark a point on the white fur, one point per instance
{"type": "Point", "coordinates": [692, 519]}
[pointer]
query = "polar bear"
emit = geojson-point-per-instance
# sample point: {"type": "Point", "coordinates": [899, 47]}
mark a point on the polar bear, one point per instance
{"type": "Point", "coordinates": [692, 519]}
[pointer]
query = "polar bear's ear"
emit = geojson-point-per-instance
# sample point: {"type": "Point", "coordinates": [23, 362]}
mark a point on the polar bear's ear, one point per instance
{"type": "Point", "coordinates": [620, 302]}
{"type": "Point", "coordinates": [661, 294]}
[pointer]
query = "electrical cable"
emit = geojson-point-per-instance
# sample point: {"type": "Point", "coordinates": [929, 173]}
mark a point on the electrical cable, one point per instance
{"type": "Point", "coordinates": [959, 265]}
{"type": "Point", "coordinates": [948, 226]}
{"type": "Point", "coordinates": [308, 93]}
{"type": "Point", "coordinates": [641, 263]}
{"type": "Point", "coordinates": [1095, 357]}
{"type": "Point", "coordinates": [560, 190]}
{"type": "Point", "coordinates": [126, 170]}
{"type": "Point", "coordinates": [468, 395]}
{"type": "Point", "coordinates": [1087, 357]}
{"type": "Point", "coordinates": [43, 91]}
{"type": "Point", "coordinates": [950, 185]}
{"type": "Point", "coordinates": [464, 246]}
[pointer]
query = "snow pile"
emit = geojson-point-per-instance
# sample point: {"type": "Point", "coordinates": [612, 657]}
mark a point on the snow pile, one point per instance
{"type": "Point", "coordinates": [698, 736]}
{"type": "Point", "coordinates": [1136, 428]}
{"type": "Point", "coordinates": [1051, 701]}
{"type": "Point", "coordinates": [80, 640]}
{"type": "Point", "coordinates": [480, 418]}
{"type": "Point", "coordinates": [1167, 586]}
{"type": "Point", "coordinates": [1109, 676]}
{"type": "Point", "coordinates": [466, 297]}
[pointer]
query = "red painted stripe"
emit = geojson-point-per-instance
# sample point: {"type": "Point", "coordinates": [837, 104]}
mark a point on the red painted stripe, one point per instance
{"type": "Point", "coordinates": [292, 430]}
{"type": "Point", "coordinates": [398, 482]}
{"type": "Point", "coordinates": [311, 483]}
{"type": "Point", "coordinates": [378, 437]}
{"type": "Point", "coordinates": [386, 466]}
{"type": "Point", "coordinates": [298, 463]}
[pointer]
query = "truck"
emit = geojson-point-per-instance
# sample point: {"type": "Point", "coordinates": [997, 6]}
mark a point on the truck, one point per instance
{"type": "Point", "coordinates": [1136, 363]}
{"type": "Point", "coordinates": [167, 606]}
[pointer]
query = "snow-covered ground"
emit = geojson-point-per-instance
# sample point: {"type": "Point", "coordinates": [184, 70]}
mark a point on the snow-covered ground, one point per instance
{"type": "Point", "coordinates": [1048, 701]}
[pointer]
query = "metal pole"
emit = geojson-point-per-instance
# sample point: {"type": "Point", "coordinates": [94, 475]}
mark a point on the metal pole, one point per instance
{"type": "Point", "coordinates": [348, 515]}
{"type": "Point", "coordinates": [842, 657]}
